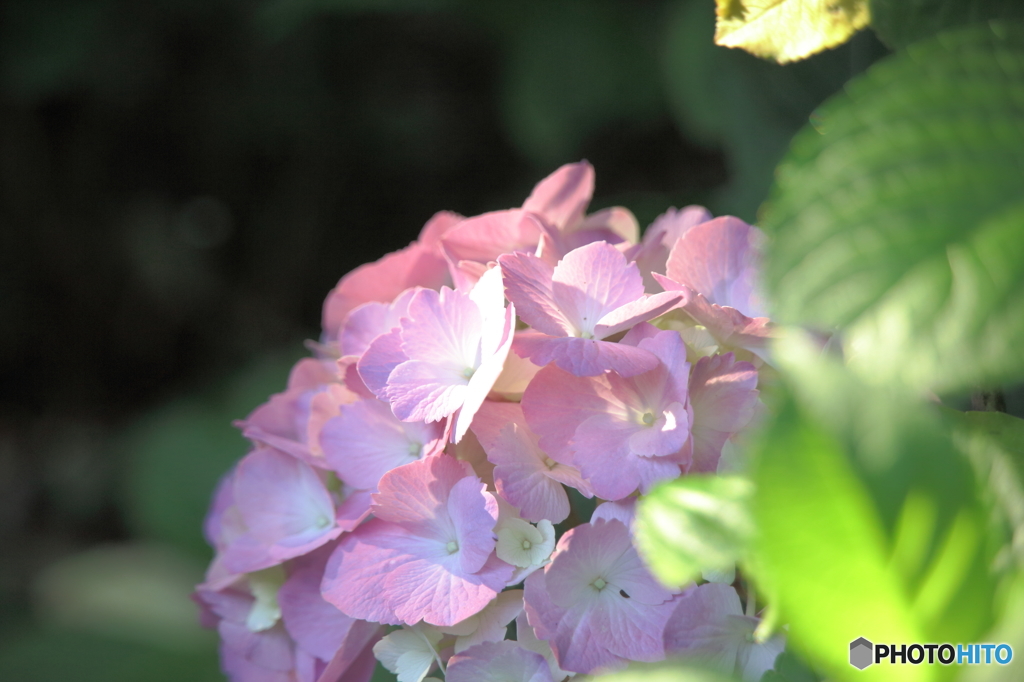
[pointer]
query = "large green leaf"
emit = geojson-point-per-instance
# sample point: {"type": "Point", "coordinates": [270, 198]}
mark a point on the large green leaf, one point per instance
{"type": "Point", "coordinates": [693, 524]}
{"type": "Point", "coordinates": [868, 521]}
{"type": "Point", "coordinates": [899, 217]}
{"type": "Point", "coordinates": [901, 22]}
{"type": "Point", "coordinates": [994, 442]}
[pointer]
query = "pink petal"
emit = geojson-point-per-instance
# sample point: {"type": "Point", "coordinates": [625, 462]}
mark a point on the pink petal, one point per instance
{"type": "Point", "coordinates": [473, 512]}
{"type": "Point", "coordinates": [443, 328]}
{"type": "Point", "coordinates": [425, 590]}
{"type": "Point", "coordinates": [424, 391]}
{"type": "Point", "coordinates": [528, 285]}
{"type": "Point", "coordinates": [515, 376]}
{"type": "Point", "coordinates": [642, 331]}
{"type": "Point", "coordinates": [348, 368]}
{"type": "Point", "coordinates": [522, 477]}
{"type": "Point", "coordinates": [570, 633]}
{"type": "Point", "coordinates": [492, 417]}
{"type": "Point", "coordinates": [666, 436]}
{"type": "Point", "coordinates": [283, 503]}
{"type": "Point", "coordinates": [353, 510]}
{"type": "Point", "coordinates": [724, 397]}
{"type": "Point", "coordinates": [367, 440]}
{"type": "Point", "coordinates": [556, 402]}
{"type": "Point", "coordinates": [323, 406]}
{"type": "Point", "coordinates": [440, 224]}
{"type": "Point", "coordinates": [729, 326]}
{"type": "Point", "coordinates": [588, 625]}
{"type": "Point", "coordinates": [562, 197]}
{"type": "Point", "coordinates": [604, 458]}
{"type": "Point", "coordinates": [354, 660]}
{"type": "Point", "coordinates": [370, 320]}
{"type": "Point", "coordinates": [441, 337]}
{"type": "Point", "coordinates": [492, 622]}
{"type": "Point", "coordinates": [282, 422]}
{"type": "Point", "coordinates": [380, 359]}
{"type": "Point", "coordinates": [484, 378]}
{"type": "Point", "coordinates": [699, 625]}
{"type": "Point", "coordinates": [259, 654]}
{"type": "Point", "coordinates": [470, 451]}
{"type": "Point", "coordinates": [316, 626]}
{"type": "Point", "coordinates": [631, 629]}
{"type": "Point", "coordinates": [583, 357]}
{"type": "Point", "coordinates": [641, 310]}
{"type": "Point", "coordinates": [498, 662]}
{"type": "Point", "coordinates": [622, 510]}
{"type": "Point", "coordinates": [354, 580]}
{"type": "Point", "coordinates": [413, 493]}
{"type": "Point", "coordinates": [718, 259]}
{"type": "Point", "coordinates": [382, 281]}
{"type": "Point", "coordinates": [652, 254]}
{"type": "Point", "coordinates": [311, 373]}
{"type": "Point", "coordinates": [617, 223]}
{"type": "Point", "coordinates": [483, 238]}
{"type": "Point", "coordinates": [593, 280]}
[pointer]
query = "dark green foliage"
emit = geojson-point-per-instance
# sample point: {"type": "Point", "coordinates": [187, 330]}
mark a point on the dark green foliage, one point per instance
{"type": "Point", "coordinates": [901, 22]}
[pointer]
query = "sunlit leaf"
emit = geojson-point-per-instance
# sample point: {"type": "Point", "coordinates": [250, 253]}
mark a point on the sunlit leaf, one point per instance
{"type": "Point", "coordinates": [1010, 629]}
{"type": "Point", "coordinates": [692, 524]}
{"type": "Point", "coordinates": [994, 442]}
{"type": "Point", "coordinates": [899, 216]}
{"type": "Point", "coordinates": [868, 521]}
{"type": "Point", "coordinates": [788, 30]}
{"type": "Point", "coordinates": [901, 22]}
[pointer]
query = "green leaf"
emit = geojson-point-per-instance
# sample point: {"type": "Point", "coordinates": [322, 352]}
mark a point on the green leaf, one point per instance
{"type": "Point", "coordinates": [789, 668]}
{"type": "Point", "coordinates": [1010, 629]}
{"type": "Point", "coordinates": [788, 30]}
{"type": "Point", "coordinates": [899, 216]}
{"type": "Point", "coordinates": [901, 22]}
{"type": "Point", "coordinates": [692, 524]}
{"type": "Point", "coordinates": [994, 442]}
{"type": "Point", "coordinates": [868, 521]}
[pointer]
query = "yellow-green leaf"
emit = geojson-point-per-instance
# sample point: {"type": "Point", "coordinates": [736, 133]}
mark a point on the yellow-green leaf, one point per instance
{"type": "Point", "coordinates": [788, 30]}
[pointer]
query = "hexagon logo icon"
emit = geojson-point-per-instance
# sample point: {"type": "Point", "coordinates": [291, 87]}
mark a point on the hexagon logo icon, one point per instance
{"type": "Point", "coordinates": [861, 653]}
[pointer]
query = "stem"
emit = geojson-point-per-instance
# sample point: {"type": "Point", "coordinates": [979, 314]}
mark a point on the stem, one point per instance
{"type": "Point", "coordinates": [751, 610]}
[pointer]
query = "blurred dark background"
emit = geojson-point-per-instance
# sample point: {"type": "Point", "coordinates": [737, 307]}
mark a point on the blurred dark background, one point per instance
{"type": "Point", "coordinates": [183, 181]}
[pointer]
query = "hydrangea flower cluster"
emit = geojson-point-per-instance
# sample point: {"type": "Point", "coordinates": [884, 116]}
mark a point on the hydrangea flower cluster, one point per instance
{"type": "Point", "coordinates": [406, 499]}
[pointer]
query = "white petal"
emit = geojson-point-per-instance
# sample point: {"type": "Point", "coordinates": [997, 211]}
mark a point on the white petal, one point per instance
{"type": "Point", "coordinates": [409, 652]}
{"type": "Point", "coordinates": [265, 610]}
